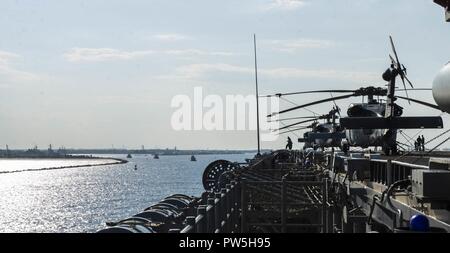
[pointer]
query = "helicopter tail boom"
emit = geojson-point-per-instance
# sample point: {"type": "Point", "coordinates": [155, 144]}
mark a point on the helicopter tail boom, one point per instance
{"type": "Point", "coordinates": [391, 123]}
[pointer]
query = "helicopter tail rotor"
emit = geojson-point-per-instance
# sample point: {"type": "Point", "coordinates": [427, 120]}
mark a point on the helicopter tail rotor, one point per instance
{"type": "Point", "coordinates": [401, 69]}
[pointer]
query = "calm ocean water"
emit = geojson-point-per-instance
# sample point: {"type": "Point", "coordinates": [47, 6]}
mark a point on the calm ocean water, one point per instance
{"type": "Point", "coordinates": [83, 199]}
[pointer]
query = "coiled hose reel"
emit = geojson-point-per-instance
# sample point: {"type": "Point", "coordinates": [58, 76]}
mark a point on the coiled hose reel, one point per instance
{"type": "Point", "coordinates": [218, 174]}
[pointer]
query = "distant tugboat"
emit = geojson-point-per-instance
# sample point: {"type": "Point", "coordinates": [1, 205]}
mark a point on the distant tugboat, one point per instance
{"type": "Point", "coordinates": [193, 159]}
{"type": "Point", "coordinates": [129, 156]}
{"type": "Point", "coordinates": [156, 156]}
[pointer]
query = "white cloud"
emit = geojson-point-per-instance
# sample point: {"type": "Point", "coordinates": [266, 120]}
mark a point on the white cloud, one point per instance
{"type": "Point", "coordinates": [198, 70]}
{"type": "Point", "coordinates": [102, 54]}
{"type": "Point", "coordinates": [9, 73]}
{"type": "Point", "coordinates": [358, 76]}
{"type": "Point", "coordinates": [6, 57]}
{"type": "Point", "coordinates": [197, 52]}
{"type": "Point", "coordinates": [194, 71]}
{"type": "Point", "coordinates": [284, 5]}
{"type": "Point", "coordinates": [108, 54]}
{"type": "Point", "coordinates": [171, 37]}
{"type": "Point", "coordinates": [291, 46]}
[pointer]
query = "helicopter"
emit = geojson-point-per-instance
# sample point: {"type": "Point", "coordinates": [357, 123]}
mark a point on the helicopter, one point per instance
{"type": "Point", "coordinates": [322, 135]}
{"type": "Point", "coordinates": [376, 122]}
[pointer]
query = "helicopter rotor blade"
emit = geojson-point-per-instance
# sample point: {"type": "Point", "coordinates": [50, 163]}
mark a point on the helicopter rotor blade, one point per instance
{"type": "Point", "coordinates": [293, 130]}
{"type": "Point", "coordinates": [415, 89]}
{"type": "Point", "coordinates": [392, 59]}
{"type": "Point", "coordinates": [395, 51]}
{"type": "Point", "coordinates": [286, 119]}
{"type": "Point", "coordinates": [404, 86]}
{"type": "Point", "coordinates": [420, 102]}
{"type": "Point", "coordinates": [307, 92]}
{"type": "Point", "coordinates": [409, 82]}
{"type": "Point", "coordinates": [401, 68]}
{"type": "Point", "coordinates": [298, 123]}
{"type": "Point", "coordinates": [312, 103]}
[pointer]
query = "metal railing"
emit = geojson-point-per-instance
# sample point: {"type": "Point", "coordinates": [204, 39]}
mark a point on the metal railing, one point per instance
{"type": "Point", "coordinates": [221, 213]}
{"type": "Point", "coordinates": [317, 192]}
{"type": "Point", "coordinates": [387, 172]}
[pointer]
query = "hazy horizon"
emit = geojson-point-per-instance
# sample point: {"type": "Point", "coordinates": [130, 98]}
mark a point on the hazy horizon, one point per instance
{"type": "Point", "coordinates": [136, 148]}
{"type": "Point", "coordinates": [100, 73]}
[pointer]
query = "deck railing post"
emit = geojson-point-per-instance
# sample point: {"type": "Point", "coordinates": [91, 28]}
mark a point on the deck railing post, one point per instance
{"type": "Point", "coordinates": [190, 221]}
{"type": "Point", "coordinates": [283, 205]}
{"type": "Point", "coordinates": [201, 227]}
{"type": "Point", "coordinates": [210, 216]}
{"type": "Point", "coordinates": [330, 209]}
{"type": "Point", "coordinates": [217, 212]}
{"type": "Point", "coordinates": [379, 172]}
{"type": "Point", "coordinates": [244, 207]}
{"type": "Point", "coordinates": [204, 198]}
{"type": "Point", "coordinates": [236, 205]}
{"type": "Point", "coordinates": [237, 193]}
{"type": "Point", "coordinates": [229, 216]}
{"type": "Point", "coordinates": [224, 211]}
{"type": "Point", "coordinates": [389, 172]}
{"type": "Point", "coordinates": [324, 205]}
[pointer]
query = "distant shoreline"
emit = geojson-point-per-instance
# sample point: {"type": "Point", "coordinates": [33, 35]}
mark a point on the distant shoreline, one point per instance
{"type": "Point", "coordinates": [160, 152]}
{"type": "Point", "coordinates": [90, 153]}
{"type": "Point", "coordinates": [68, 157]}
{"type": "Point", "coordinates": [114, 161]}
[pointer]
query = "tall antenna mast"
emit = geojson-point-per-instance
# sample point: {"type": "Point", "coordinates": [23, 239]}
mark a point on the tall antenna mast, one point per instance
{"type": "Point", "coordinates": [257, 97]}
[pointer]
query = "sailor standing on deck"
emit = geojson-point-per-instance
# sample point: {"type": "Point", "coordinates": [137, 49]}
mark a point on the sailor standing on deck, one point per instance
{"type": "Point", "coordinates": [423, 143]}
{"type": "Point", "coordinates": [289, 143]}
{"type": "Point", "coordinates": [419, 143]}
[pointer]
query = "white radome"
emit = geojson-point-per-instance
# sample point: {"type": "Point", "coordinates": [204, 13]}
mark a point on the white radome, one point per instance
{"type": "Point", "coordinates": [441, 88]}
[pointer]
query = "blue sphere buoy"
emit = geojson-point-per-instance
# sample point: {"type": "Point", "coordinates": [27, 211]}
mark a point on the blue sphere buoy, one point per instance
{"type": "Point", "coordinates": [419, 223]}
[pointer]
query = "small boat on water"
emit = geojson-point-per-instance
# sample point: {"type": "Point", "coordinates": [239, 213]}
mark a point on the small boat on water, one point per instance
{"type": "Point", "coordinates": [135, 167]}
{"type": "Point", "coordinates": [129, 156]}
{"type": "Point", "coordinates": [155, 156]}
{"type": "Point", "coordinates": [193, 159]}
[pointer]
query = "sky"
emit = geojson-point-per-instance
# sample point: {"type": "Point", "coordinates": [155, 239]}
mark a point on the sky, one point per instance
{"type": "Point", "coordinates": [103, 73]}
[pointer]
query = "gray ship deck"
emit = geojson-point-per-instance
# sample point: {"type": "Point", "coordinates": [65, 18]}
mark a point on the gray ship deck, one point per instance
{"type": "Point", "coordinates": [289, 191]}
